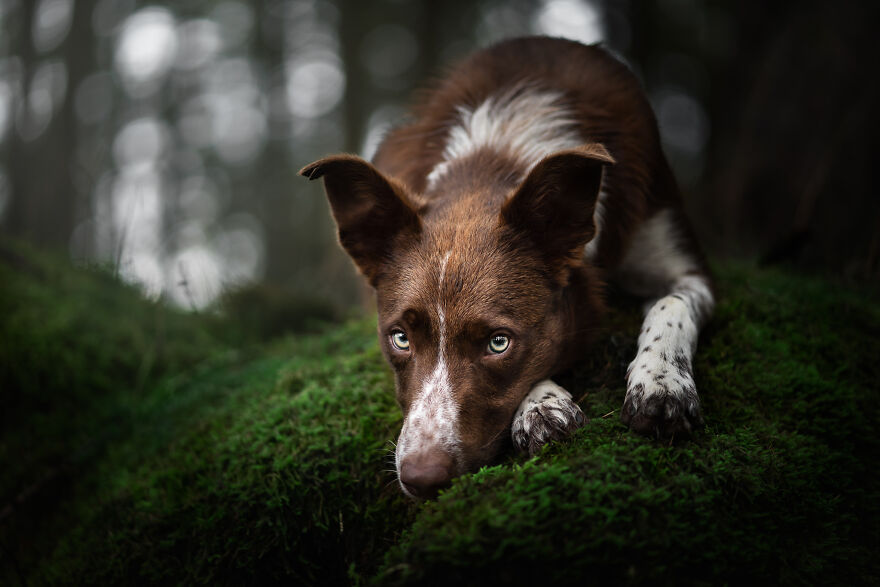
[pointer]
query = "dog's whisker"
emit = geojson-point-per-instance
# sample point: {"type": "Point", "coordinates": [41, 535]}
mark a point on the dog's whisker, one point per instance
{"type": "Point", "coordinates": [491, 440]}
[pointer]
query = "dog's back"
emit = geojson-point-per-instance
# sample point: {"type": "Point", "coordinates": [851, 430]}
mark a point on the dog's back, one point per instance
{"type": "Point", "coordinates": [534, 96]}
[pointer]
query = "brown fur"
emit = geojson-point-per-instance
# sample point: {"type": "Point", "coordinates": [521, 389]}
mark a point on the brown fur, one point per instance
{"type": "Point", "coordinates": [514, 247]}
{"type": "Point", "coordinates": [606, 98]}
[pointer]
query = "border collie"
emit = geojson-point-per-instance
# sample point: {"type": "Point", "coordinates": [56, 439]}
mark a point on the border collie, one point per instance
{"type": "Point", "coordinates": [488, 224]}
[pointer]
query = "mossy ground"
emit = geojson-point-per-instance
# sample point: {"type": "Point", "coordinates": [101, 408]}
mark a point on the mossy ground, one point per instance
{"type": "Point", "coordinates": [140, 444]}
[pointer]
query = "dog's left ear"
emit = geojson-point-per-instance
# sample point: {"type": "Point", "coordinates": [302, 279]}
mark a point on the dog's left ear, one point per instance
{"type": "Point", "coordinates": [554, 206]}
{"type": "Point", "coordinates": [370, 210]}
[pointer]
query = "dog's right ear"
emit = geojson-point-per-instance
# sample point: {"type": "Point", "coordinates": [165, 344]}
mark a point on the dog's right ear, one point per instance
{"type": "Point", "coordinates": [371, 211]}
{"type": "Point", "coordinates": [555, 204]}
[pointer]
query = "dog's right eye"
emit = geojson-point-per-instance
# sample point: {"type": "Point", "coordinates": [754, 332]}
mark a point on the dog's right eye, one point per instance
{"type": "Point", "coordinates": [400, 340]}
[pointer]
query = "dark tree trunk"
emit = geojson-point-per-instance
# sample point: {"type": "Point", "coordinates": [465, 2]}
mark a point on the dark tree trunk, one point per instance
{"type": "Point", "coordinates": [44, 201]}
{"type": "Point", "coordinates": [352, 26]}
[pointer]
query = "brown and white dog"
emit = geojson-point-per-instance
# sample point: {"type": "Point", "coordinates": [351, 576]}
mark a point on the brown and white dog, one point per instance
{"type": "Point", "coordinates": [487, 226]}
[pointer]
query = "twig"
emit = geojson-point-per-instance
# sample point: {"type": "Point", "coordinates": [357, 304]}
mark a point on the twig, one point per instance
{"type": "Point", "coordinates": [184, 283]}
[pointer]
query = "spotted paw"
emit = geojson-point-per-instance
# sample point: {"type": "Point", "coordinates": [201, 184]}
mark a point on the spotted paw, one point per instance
{"type": "Point", "coordinates": [546, 414]}
{"type": "Point", "coordinates": [662, 401]}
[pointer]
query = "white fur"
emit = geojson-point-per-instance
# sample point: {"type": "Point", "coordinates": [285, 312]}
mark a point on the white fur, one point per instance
{"type": "Point", "coordinates": [599, 219]}
{"type": "Point", "coordinates": [669, 332]}
{"type": "Point", "coordinates": [656, 264]}
{"type": "Point", "coordinates": [697, 295]}
{"type": "Point", "coordinates": [527, 124]}
{"type": "Point", "coordinates": [536, 395]}
{"type": "Point", "coordinates": [654, 260]}
{"type": "Point", "coordinates": [433, 417]}
{"type": "Point", "coordinates": [547, 412]}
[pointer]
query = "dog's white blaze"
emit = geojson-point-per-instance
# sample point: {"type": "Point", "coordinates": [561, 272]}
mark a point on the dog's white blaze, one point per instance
{"type": "Point", "coordinates": [431, 420]}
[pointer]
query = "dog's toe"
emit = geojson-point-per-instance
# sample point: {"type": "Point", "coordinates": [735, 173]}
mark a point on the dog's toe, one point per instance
{"type": "Point", "coordinates": [661, 411]}
{"type": "Point", "coordinates": [540, 422]}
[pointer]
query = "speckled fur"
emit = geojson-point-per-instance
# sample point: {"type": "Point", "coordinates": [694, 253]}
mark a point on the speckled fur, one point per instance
{"type": "Point", "coordinates": [547, 413]}
{"type": "Point", "coordinates": [661, 398]}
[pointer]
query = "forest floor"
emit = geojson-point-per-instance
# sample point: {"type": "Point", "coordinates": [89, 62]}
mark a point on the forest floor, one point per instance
{"type": "Point", "coordinates": [140, 444]}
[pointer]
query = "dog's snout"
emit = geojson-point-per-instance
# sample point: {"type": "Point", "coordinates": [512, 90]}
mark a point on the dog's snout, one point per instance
{"type": "Point", "coordinates": [424, 474]}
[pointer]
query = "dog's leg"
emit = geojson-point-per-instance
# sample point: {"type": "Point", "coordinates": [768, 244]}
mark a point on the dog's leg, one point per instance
{"type": "Point", "coordinates": [547, 413]}
{"type": "Point", "coordinates": [661, 398]}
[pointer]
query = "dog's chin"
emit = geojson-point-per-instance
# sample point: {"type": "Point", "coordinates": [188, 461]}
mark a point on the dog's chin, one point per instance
{"type": "Point", "coordinates": [407, 492]}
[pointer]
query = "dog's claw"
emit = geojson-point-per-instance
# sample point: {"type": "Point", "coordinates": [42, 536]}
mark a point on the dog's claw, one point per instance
{"type": "Point", "coordinates": [547, 414]}
{"type": "Point", "coordinates": [662, 412]}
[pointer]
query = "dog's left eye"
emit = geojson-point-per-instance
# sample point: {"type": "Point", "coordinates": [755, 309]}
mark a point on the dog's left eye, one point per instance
{"type": "Point", "coordinates": [498, 344]}
{"type": "Point", "coordinates": [400, 340]}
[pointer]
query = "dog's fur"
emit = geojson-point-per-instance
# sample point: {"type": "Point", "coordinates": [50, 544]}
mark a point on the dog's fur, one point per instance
{"type": "Point", "coordinates": [527, 176]}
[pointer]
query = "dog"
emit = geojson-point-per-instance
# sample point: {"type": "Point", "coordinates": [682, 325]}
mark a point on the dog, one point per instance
{"type": "Point", "coordinates": [488, 225]}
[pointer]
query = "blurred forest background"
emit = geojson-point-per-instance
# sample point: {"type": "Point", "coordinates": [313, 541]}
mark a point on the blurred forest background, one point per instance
{"type": "Point", "coordinates": [163, 138]}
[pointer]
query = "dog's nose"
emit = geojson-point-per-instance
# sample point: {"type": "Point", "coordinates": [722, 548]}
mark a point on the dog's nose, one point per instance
{"type": "Point", "coordinates": [425, 473]}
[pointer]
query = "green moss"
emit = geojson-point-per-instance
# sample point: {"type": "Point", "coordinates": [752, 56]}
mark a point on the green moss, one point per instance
{"type": "Point", "coordinates": [279, 476]}
{"type": "Point", "coordinates": [775, 489]}
{"type": "Point", "coordinates": [611, 507]}
{"type": "Point", "coordinates": [178, 457]}
{"type": "Point", "coordinates": [263, 312]}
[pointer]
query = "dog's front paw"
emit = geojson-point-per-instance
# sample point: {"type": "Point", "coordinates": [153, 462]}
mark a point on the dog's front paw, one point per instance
{"type": "Point", "coordinates": [661, 399]}
{"type": "Point", "coordinates": [547, 413]}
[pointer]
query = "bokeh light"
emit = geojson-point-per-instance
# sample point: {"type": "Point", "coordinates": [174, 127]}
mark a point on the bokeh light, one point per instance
{"type": "Point", "coordinates": [315, 85]}
{"type": "Point", "coordinates": [578, 20]}
{"type": "Point", "coordinates": [51, 23]}
{"type": "Point", "coordinates": [146, 50]}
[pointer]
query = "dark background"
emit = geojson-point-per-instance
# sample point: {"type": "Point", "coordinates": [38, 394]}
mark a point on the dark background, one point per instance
{"type": "Point", "coordinates": [163, 139]}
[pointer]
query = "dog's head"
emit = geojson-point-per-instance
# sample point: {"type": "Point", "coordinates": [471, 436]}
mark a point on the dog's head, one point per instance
{"type": "Point", "coordinates": [474, 296]}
